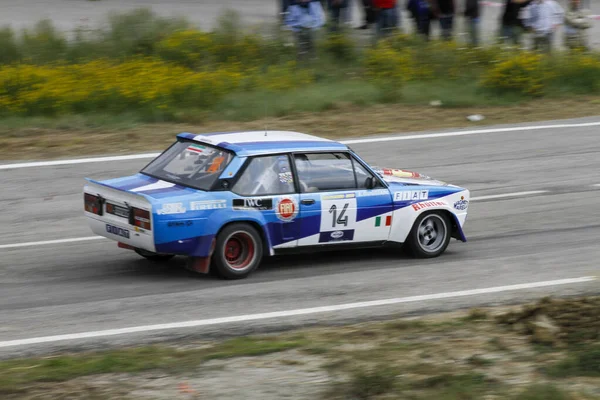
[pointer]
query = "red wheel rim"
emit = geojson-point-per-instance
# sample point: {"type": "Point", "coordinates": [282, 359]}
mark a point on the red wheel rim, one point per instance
{"type": "Point", "coordinates": [239, 250]}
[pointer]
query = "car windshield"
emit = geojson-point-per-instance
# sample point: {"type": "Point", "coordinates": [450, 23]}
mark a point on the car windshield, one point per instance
{"type": "Point", "coordinates": [190, 164]}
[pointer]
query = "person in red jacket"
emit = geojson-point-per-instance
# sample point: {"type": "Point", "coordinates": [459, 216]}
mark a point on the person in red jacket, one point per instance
{"type": "Point", "coordinates": [387, 16]}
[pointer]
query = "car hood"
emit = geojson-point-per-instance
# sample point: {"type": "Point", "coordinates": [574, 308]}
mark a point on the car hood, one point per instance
{"type": "Point", "coordinates": [395, 175]}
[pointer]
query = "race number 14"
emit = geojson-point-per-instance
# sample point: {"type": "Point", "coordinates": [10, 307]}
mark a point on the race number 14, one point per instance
{"type": "Point", "coordinates": [342, 218]}
{"type": "Point", "coordinates": [338, 214]}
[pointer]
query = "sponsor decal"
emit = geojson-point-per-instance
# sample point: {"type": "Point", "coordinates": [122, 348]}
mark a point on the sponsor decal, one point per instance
{"type": "Point", "coordinates": [400, 173]}
{"type": "Point", "coordinates": [376, 192]}
{"type": "Point", "coordinates": [286, 209]}
{"type": "Point", "coordinates": [339, 196]}
{"type": "Point", "coordinates": [427, 204]}
{"type": "Point", "coordinates": [285, 177]}
{"type": "Point", "coordinates": [388, 220]}
{"type": "Point", "coordinates": [115, 230]}
{"type": "Point", "coordinates": [180, 223]}
{"type": "Point", "coordinates": [411, 195]}
{"type": "Point", "coordinates": [253, 204]}
{"type": "Point", "coordinates": [205, 139]}
{"type": "Point", "coordinates": [207, 205]}
{"type": "Point", "coordinates": [171, 208]}
{"type": "Point", "coordinates": [336, 236]}
{"type": "Point", "coordinates": [462, 204]}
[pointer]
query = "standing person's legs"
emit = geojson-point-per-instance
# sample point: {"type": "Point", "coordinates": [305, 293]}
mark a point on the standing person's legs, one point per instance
{"type": "Point", "coordinates": [334, 17]}
{"type": "Point", "coordinates": [474, 31]}
{"type": "Point", "coordinates": [424, 26]}
{"type": "Point", "coordinates": [368, 10]}
{"type": "Point", "coordinates": [446, 23]}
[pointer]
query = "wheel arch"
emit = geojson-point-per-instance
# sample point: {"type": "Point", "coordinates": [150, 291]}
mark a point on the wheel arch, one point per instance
{"type": "Point", "coordinates": [266, 244]}
{"type": "Point", "coordinates": [456, 231]}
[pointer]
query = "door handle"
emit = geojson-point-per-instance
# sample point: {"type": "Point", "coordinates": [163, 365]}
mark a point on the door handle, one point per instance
{"type": "Point", "coordinates": [308, 201]}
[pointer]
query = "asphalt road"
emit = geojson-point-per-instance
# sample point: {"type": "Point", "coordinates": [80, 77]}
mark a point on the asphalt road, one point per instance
{"type": "Point", "coordinates": [69, 14]}
{"type": "Point", "coordinates": [88, 286]}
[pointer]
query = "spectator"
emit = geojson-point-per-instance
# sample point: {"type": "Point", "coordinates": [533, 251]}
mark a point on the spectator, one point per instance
{"type": "Point", "coordinates": [422, 12]}
{"type": "Point", "coordinates": [338, 9]}
{"type": "Point", "coordinates": [511, 24]}
{"type": "Point", "coordinates": [576, 22]}
{"type": "Point", "coordinates": [304, 17]}
{"type": "Point", "coordinates": [387, 16]}
{"type": "Point", "coordinates": [445, 9]}
{"type": "Point", "coordinates": [473, 14]}
{"type": "Point", "coordinates": [285, 4]}
{"type": "Point", "coordinates": [370, 16]}
{"type": "Point", "coordinates": [545, 16]}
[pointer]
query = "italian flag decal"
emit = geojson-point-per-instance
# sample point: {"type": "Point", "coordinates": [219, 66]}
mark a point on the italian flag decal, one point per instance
{"type": "Point", "coordinates": [196, 148]}
{"type": "Point", "coordinates": [388, 221]}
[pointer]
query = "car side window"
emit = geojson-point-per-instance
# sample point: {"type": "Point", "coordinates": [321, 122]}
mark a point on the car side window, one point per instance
{"type": "Point", "coordinates": [266, 175]}
{"type": "Point", "coordinates": [362, 175]}
{"type": "Point", "coordinates": [324, 171]}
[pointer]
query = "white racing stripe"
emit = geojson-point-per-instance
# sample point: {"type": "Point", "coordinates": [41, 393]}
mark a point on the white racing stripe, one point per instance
{"type": "Point", "coordinates": [394, 137]}
{"type": "Point", "coordinates": [290, 313]}
{"type": "Point", "coordinates": [83, 239]}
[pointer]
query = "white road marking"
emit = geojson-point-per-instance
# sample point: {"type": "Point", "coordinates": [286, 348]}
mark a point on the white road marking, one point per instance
{"type": "Point", "coordinates": [502, 196]}
{"type": "Point", "coordinates": [290, 313]}
{"type": "Point", "coordinates": [78, 161]}
{"type": "Point", "coordinates": [87, 238]}
{"type": "Point", "coordinates": [390, 138]}
{"type": "Point", "coordinates": [596, 185]}
{"type": "Point", "coordinates": [58, 241]}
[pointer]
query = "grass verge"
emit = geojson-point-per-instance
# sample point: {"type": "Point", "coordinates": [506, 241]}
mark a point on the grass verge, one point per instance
{"type": "Point", "coordinates": [460, 355]}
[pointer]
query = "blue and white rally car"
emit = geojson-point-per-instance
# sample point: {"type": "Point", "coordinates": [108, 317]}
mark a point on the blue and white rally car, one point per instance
{"type": "Point", "coordinates": [227, 199]}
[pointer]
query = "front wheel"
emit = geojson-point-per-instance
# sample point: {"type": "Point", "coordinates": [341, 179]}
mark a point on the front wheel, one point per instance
{"type": "Point", "coordinates": [430, 235]}
{"type": "Point", "coordinates": [238, 251]}
{"type": "Point", "coordinates": [154, 256]}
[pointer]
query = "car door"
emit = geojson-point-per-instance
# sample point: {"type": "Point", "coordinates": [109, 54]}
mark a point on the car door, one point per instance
{"type": "Point", "coordinates": [266, 185]}
{"type": "Point", "coordinates": [337, 205]}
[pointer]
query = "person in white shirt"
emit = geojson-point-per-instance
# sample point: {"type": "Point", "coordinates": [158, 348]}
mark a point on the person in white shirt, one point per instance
{"type": "Point", "coordinates": [576, 23]}
{"type": "Point", "coordinates": [544, 18]}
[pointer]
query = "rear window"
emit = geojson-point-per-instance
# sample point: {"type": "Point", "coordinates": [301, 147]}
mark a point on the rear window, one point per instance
{"type": "Point", "coordinates": [190, 164]}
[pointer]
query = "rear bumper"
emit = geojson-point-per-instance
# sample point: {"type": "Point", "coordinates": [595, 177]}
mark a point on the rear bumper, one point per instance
{"type": "Point", "coordinates": [122, 233]}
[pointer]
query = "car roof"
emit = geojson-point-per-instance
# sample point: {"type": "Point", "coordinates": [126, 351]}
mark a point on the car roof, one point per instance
{"type": "Point", "coordinates": [250, 143]}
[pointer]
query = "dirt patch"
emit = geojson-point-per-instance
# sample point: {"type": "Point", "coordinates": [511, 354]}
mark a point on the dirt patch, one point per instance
{"type": "Point", "coordinates": [31, 142]}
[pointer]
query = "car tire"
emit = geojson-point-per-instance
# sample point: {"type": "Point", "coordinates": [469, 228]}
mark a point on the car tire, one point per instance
{"type": "Point", "coordinates": [238, 251]}
{"type": "Point", "coordinates": [430, 235]}
{"type": "Point", "coordinates": [154, 256]}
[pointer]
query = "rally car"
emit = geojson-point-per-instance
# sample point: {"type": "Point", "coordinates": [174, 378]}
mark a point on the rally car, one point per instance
{"type": "Point", "coordinates": [226, 200]}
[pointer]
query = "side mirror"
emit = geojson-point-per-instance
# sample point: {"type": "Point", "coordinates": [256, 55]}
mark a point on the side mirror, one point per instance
{"type": "Point", "coordinates": [370, 182]}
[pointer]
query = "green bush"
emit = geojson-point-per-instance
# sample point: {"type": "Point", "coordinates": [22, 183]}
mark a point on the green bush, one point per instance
{"type": "Point", "coordinates": [10, 49]}
{"type": "Point", "coordinates": [584, 362]}
{"type": "Point", "coordinates": [43, 44]}
{"type": "Point", "coordinates": [542, 392]}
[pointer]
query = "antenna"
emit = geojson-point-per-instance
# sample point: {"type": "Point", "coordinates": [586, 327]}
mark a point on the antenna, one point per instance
{"type": "Point", "coordinates": [265, 116]}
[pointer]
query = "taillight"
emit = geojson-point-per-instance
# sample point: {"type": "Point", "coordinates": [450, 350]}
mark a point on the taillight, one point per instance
{"type": "Point", "coordinates": [141, 218]}
{"type": "Point", "coordinates": [92, 204]}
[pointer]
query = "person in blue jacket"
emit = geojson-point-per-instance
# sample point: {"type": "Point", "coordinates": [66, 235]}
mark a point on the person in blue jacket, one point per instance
{"type": "Point", "coordinates": [304, 18]}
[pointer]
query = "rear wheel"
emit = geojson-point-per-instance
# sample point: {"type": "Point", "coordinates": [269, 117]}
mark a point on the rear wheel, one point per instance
{"type": "Point", "coordinates": [430, 235]}
{"type": "Point", "coordinates": [238, 251]}
{"type": "Point", "coordinates": [154, 256]}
